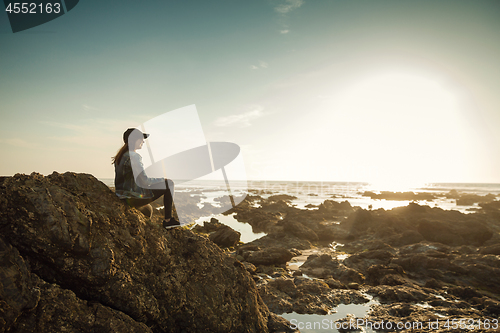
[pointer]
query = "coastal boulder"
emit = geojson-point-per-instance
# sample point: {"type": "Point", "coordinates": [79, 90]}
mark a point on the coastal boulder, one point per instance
{"type": "Point", "coordinates": [101, 258]}
{"type": "Point", "coordinates": [209, 227]}
{"type": "Point", "coordinates": [438, 231]}
{"type": "Point", "coordinates": [299, 230]}
{"type": "Point", "coordinates": [225, 237]}
{"type": "Point", "coordinates": [324, 266]}
{"type": "Point", "coordinates": [270, 256]}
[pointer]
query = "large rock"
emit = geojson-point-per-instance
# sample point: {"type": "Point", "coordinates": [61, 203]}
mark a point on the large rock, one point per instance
{"type": "Point", "coordinates": [303, 295]}
{"type": "Point", "coordinates": [359, 221]}
{"type": "Point", "coordinates": [299, 230]}
{"type": "Point", "coordinates": [324, 266]}
{"type": "Point", "coordinates": [112, 266]}
{"type": "Point", "coordinates": [270, 256]}
{"type": "Point", "coordinates": [225, 237]}
{"type": "Point", "coordinates": [455, 233]}
{"type": "Point", "coordinates": [209, 227]}
{"type": "Point", "coordinates": [282, 239]}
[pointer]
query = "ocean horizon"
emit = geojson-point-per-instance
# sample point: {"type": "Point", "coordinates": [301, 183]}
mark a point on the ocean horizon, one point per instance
{"type": "Point", "coordinates": [310, 194]}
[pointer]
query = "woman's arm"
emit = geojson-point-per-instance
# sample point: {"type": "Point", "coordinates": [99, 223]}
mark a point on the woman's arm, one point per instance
{"type": "Point", "coordinates": [140, 176]}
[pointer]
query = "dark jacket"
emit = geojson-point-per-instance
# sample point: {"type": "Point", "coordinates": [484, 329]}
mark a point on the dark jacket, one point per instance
{"type": "Point", "coordinates": [128, 186]}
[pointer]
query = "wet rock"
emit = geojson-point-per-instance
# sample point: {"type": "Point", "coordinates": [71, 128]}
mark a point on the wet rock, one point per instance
{"type": "Point", "coordinates": [325, 266]}
{"type": "Point", "coordinates": [282, 239]}
{"type": "Point", "coordinates": [437, 231]}
{"type": "Point", "coordinates": [312, 286]}
{"type": "Point", "coordinates": [285, 285]}
{"type": "Point", "coordinates": [479, 271]}
{"type": "Point", "coordinates": [303, 295]}
{"type": "Point", "coordinates": [364, 245]}
{"type": "Point", "coordinates": [279, 206]}
{"type": "Point", "coordinates": [425, 264]}
{"type": "Point", "coordinates": [413, 208]}
{"type": "Point", "coordinates": [401, 310]}
{"type": "Point", "coordinates": [362, 261]}
{"type": "Point", "coordinates": [424, 247]}
{"type": "Point", "coordinates": [271, 272]}
{"type": "Point", "coordinates": [209, 227]}
{"type": "Point", "coordinates": [225, 237]}
{"type": "Point", "coordinates": [407, 225]}
{"type": "Point", "coordinates": [270, 256]}
{"type": "Point", "coordinates": [390, 274]}
{"type": "Point", "coordinates": [335, 284]}
{"type": "Point", "coordinates": [475, 232]}
{"type": "Point", "coordinates": [399, 294]}
{"type": "Point", "coordinates": [279, 324]}
{"type": "Point", "coordinates": [278, 302]}
{"type": "Point", "coordinates": [388, 195]}
{"type": "Point", "coordinates": [467, 232]}
{"type": "Point", "coordinates": [242, 249]}
{"type": "Point", "coordinates": [491, 206]}
{"type": "Point", "coordinates": [333, 208]}
{"type": "Point", "coordinates": [260, 219]}
{"type": "Point", "coordinates": [392, 280]}
{"type": "Point", "coordinates": [349, 322]}
{"type": "Point", "coordinates": [408, 237]}
{"type": "Point", "coordinates": [299, 230]}
{"type": "Point", "coordinates": [470, 199]}
{"type": "Point", "coordinates": [359, 221]}
{"type": "Point", "coordinates": [281, 197]}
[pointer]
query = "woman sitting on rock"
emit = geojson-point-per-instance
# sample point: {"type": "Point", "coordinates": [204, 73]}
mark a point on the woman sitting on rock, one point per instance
{"type": "Point", "coordinates": [140, 190]}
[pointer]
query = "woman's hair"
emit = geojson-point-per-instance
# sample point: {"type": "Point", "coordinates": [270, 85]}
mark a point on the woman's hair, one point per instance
{"type": "Point", "coordinates": [116, 159]}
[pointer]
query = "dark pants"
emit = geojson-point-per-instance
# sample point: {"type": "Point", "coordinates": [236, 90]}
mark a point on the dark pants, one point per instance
{"type": "Point", "coordinates": [168, 199]}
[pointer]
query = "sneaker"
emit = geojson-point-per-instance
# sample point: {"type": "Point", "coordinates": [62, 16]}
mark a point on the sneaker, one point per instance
{"type": "Point", "coordinates": [172, 223]}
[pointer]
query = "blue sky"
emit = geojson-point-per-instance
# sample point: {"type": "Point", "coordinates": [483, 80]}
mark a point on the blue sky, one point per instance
{"type": "Point", "coordinates": [379, 91]}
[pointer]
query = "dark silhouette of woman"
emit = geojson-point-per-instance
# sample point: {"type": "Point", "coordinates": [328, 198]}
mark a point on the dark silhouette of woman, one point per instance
{"type": "Point", "coordinates": [133, 186]}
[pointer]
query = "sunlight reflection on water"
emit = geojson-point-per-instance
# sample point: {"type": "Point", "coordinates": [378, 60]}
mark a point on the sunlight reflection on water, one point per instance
{"type": "Point", "coordinates": [326, 323]}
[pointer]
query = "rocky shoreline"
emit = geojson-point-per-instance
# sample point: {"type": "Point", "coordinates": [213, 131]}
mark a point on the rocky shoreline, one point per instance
{"type": "Point", "coordinates": [74, 258]}
{"type": "Point", "coordinates": [421, 264]}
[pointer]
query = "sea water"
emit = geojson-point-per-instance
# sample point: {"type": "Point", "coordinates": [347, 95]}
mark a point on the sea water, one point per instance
{"type": "Point", "coordinates": [313, 323]}
{"type": "Point", "coordinates": [315, 193]}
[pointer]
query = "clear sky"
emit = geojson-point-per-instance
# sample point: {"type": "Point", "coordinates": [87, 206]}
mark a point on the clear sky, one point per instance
{"type": "Point", "coordinates": [380, 91]}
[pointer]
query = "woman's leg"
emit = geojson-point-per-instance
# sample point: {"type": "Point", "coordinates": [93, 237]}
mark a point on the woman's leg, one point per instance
{"type": "Point", "coordinates": [168, 199]}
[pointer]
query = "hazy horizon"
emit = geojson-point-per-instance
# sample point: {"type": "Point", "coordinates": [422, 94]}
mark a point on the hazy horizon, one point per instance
{"type": "Point", "coordinates": [386, 92]}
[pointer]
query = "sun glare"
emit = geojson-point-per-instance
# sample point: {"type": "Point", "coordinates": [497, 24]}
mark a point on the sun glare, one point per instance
{"type": "Point", "coordinates": [407, 127]}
